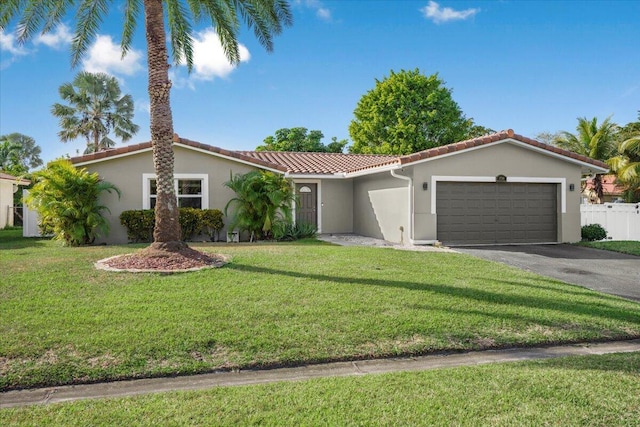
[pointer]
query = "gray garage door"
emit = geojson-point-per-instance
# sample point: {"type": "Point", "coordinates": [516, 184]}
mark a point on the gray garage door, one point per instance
{"type": "Point", "coordinates": [487, 213]}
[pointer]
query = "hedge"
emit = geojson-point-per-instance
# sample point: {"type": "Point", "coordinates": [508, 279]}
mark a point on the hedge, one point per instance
{"type": "Point", "coordinates": [140, 223]}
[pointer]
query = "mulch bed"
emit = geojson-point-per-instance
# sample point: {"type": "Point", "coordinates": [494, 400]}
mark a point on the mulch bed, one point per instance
{"type": "Point", "coordinates": [153, 260]}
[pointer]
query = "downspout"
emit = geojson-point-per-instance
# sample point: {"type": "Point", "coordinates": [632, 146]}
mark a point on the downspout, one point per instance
{"type": "Point", "coordinates": [410, 202]}
{"type": "Point", "coordinates": [411, 216]}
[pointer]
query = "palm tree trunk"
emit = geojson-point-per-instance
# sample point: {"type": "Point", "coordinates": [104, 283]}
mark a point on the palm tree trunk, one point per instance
{"type": "Point", "coordinates": [166, 234]}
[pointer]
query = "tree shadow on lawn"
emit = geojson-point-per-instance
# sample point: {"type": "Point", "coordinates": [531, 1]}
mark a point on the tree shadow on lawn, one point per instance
{"type": "Point", "coordinates": [575, 307]}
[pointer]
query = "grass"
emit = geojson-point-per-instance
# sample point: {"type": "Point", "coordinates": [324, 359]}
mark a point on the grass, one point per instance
{"type": "Point", "coordinates": [62, 321]}
{"type": "Point", "coordinates": [631, 247]}
{"type": "Point", "coordinates": [572, 391]}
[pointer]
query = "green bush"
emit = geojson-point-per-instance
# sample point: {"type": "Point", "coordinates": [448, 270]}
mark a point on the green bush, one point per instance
{"type": "Point", "coordinates": [286, 231]}
{"type": "Point", "coordinates": [67, 200]}
{"type": "Point", "coordinates": [140, 223]}
{"type": "Point", "coordinates": [211, 221]}
{"type": "Point", "coordinates": [593, 232]}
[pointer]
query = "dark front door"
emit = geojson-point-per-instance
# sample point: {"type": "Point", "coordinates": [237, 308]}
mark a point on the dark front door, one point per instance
{"type": "Point", "coordinates": [306, 204]}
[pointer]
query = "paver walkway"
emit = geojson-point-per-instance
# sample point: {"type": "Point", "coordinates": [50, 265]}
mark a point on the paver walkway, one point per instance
{"type": "Point", "coordinates": [339, 369]}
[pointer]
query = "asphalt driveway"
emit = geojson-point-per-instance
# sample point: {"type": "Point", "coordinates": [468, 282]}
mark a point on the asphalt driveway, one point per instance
{"type": "Point", "coordinates": [604, 271]}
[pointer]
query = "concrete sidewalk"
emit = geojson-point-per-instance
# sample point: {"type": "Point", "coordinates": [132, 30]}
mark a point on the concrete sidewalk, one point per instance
{"type": "Point", "coordinates": [339, 369]}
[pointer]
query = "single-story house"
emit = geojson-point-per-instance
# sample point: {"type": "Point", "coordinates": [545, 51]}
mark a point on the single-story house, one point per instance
{"type": "Point", "coordinates": [500, 188]}
{"type": "Point", "coordinates": [8, 185]}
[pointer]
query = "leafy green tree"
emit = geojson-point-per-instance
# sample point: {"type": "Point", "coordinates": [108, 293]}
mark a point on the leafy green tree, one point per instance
{"type": "Point", "coordinates": [299, 139]}
{"type": "Point", "coordinates": [95, 108]}
{"type": "Point", "coordinates": [262, 199]}
{"type": "Point", "coordinates": [265, 17]}
{"type": "Point", "coordinates": [19, 153]}
{"type": "Point", "coordinates": [405, 113]}
{"type": "Point", "coordinates": [67, 200]}
{"type": "Point", "coordinates": [9, 152]}
{"type": "Point", "coordinates": [591, 140]}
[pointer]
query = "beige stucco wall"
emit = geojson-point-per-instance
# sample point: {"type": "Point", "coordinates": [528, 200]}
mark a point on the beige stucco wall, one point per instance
{"type": "Point", "coordinates": [6, 203]}
{"type": "Point", "coordinates": [127, 174]}
{"type": "Point", "coordinates": [380, 207]}
{"type": "Point", "coordinates": [505, 159]}
{"type": "Point", "coordinates": [336, 204]}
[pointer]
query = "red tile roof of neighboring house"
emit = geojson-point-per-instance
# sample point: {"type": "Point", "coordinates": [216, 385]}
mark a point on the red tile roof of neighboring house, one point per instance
{"type": "Point", "coordinates": [609, 185]}
{"type": "Point", "coordinates": [14, 178]}
{"type": "Point", "coordinates": [336, 163]}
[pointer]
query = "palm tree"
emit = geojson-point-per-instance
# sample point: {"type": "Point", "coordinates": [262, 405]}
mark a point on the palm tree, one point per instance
{"type": "Point", "coordinates": [591, 140]}
{"type": "Point", "coordinates": [265, 17]}
{"type": "Point", "coordinates": [96, 108]}
{"type": "Point", "coordinates": [626, 165]}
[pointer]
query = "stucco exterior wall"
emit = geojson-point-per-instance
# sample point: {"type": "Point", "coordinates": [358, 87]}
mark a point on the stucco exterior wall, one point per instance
{"type": "Point", "coordinates": [6, 203]}
{"type": "Point", "coordinates": [380, 207]}
{"type": "Point", "coordinates": [500, 159]}
{"type": "Point", "coordinates": [127, 174]}
{"type": "Point", "coordinates": [336, 202]}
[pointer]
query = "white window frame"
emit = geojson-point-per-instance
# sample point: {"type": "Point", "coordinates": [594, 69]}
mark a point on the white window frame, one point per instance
{"type": "Point", "coordinates": [146, 186]}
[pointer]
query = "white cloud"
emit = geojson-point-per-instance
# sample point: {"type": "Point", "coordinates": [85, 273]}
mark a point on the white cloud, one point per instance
{"type": "Point", "coordinates": [209, 60]}
{"type": "Point", "coordinates": [8, 44]}
{"type": "Point", "coordinates": [57, 39]}
{"type": "Point", "coordinates": [106, 57]}
{"type": "Point", "coordinates": [321, 11]}
{"type": "Point", "coordinates": [143, 105]}
{"type": "Point", "coordinates": [439, 14]}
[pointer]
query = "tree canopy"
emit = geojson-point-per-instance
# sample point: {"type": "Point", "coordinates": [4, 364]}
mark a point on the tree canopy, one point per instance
{"type": "Point", "coordinates": [408, 112]}
{"type": "Point", "coordinates": [19, 153]}
{"type": "Point", "coordinates": [299, 139]}
{"type": "Point", "coordinates": [95, 108]}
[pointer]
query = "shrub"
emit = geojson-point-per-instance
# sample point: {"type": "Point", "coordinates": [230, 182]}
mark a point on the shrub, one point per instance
{"type": "Point", "coordinates": [593, 232]}
{"type": "Point", "coordinates": [286, 231]}
{"type": "Point", "coordinates": [67, 200]}
{"type": "Point", "coordinates": [140, 223]}
{"type": "Point", "coordinates": [211, 220]}
{"type": "Point", "coordinates": [189, 219]}
{"type": "Point", "coordinates": [262, 199]}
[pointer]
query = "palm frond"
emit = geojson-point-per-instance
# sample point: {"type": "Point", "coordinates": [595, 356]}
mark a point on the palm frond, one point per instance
{"type": "Point", "coordinates": [88, 19]}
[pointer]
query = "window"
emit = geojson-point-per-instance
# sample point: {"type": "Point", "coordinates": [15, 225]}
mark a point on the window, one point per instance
{"type": "Point", "coordinates": [191, 190]}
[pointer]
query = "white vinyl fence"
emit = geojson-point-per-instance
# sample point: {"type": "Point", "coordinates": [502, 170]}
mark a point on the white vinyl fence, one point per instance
{"type": "Point", "coordinates": [620, 220]}
{"type": "Point", "coordinates": [29, 220]}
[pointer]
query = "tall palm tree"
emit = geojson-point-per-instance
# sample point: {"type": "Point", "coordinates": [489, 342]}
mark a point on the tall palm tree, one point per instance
{"type": "Point", "coordinates": [591, 140]}
{"type": "Point", "coordinates": [96, 108]}
{"type": "Point", "coordinates": [265, 17]}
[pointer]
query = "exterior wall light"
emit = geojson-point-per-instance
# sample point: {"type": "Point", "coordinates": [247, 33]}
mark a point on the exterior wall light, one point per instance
{"type": "Point", "coordinates": [425, 186]}
{"type": "Point", "coordinates": [572, 187]}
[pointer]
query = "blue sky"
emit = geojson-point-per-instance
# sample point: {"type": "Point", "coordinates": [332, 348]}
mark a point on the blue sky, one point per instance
{"type": "Point", "coordinates": [531, 66]}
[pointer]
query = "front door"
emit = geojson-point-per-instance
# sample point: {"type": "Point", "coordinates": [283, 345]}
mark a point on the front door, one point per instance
{"type": "Point", "coordinates": [306, 204]}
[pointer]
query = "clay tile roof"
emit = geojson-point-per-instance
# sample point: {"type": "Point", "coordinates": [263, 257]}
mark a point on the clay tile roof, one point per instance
{"type": "Point", "coordinates": [322, 163]}
{"type": "Point", "coordinates": [498, 136]}
{"type": "Point", "coordinates": [338, 163]}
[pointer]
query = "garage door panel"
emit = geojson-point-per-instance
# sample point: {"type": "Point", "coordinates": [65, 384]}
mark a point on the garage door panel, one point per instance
{"type": "Point", "coordinates": [485, 213]}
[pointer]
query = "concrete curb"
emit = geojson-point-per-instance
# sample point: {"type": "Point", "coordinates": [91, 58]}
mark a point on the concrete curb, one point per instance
{"type": "Point", "coordinates": [339, 369]}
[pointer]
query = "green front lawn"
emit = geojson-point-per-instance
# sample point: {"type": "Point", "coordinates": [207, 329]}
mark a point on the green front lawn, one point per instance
{"type": "Point", "coordinates": [62, 321]}
{"type": "Point", "coordinates": [572, 391]}
{"type": "Point", "coordinates": [631, 247]}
